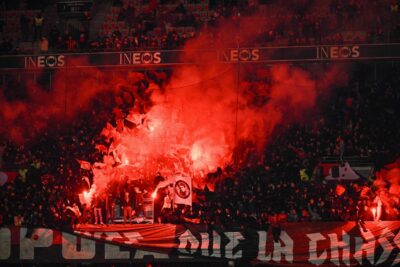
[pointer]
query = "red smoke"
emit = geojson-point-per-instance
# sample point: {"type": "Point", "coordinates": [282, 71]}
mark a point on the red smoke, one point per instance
{"type": "Point", "coordinates": [387, 187]}
{"type": "Point", "coordinates": [71, 95]}
{"type": "Point", "coordinates": [197, 119]}
{"type": "Point", "coordinates": [193, 123]}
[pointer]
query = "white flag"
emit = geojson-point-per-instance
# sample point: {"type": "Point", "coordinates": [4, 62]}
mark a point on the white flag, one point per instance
{"type": "Point", "coordinates": [344, 172]}
{"type": "Point", "coordinates": [183, 190]}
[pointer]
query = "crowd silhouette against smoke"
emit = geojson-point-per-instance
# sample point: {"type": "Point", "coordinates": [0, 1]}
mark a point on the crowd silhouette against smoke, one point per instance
{"type": "Point", "coordinates": [251, 137]}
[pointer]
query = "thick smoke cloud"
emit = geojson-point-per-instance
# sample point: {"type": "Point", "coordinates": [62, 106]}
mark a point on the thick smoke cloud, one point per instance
{"type": "Point", "coordinates": [387, 188]}
{"type": "Point", "coordinates": [24, 118]}
{"type": "Point", "coordinates": [193, 122]}
{"type": "Point", "coordinates": [197, 119]}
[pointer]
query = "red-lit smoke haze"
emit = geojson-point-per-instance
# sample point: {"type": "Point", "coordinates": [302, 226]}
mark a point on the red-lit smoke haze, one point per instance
{"type": "Point", "coordinates": [387, 187]}
{"type": "Point", "coordinates": [193, 123]}
{"type": "Point", "coordinates": [191, 126]}
{"type": "Point", "coordinates": [72, 91]}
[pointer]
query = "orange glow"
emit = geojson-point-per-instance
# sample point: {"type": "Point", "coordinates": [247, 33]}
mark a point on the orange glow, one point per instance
{"type": "Point", "coordinates": [86, 196]}
{"type": "Point", "coordinates": [195, 152]}
{"type": "Point", "coordinates": [373, 210]}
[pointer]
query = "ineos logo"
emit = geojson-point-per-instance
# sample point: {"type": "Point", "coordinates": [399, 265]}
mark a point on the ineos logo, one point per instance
{"type": "Point", "coordinates": [45, 61]}
{"type": "Point", "coordinates": [131, 58]}
{"type": "Point", "coordinates": [234, 55]}
{"type": "Point", "coordinates": [337, 52]}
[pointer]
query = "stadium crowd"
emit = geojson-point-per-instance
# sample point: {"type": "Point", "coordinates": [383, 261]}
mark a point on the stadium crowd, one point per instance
{"type": "Point", "coordinates": [286, 185]}
{"type": "Point", "coordinates": [156, 26]}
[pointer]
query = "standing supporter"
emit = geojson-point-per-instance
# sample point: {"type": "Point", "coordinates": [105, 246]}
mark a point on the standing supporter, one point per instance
{"type": "Point", "coordinates": [87, 17]}
{"type": "Point", "coordinates": [24, 23]}
{"type": "Point", "coordinates": [130, 16]}
{"type": "Point", "coordinates": [98, 209]}
{"type": "Point", "coordinates": [82, 39]}
{"type": "Point", "coordinates": [167, 205]}
{"type": "Point", "coordinates": [38, 22]}
{"type": "Point", "coordinates": [139, 201]}
{"type": "Point", "coordinates": [273, 220]}
{"type": "Point", "coordinates": [127, 207]}
{"type": "Point", "coordinates": [53, 37]}
{"type": "Point", "coordinates": [110, 208]}
{"type": "Point", "coordinates": [125, 45]}
{"type": "Point", "coordinates": [71, 43]}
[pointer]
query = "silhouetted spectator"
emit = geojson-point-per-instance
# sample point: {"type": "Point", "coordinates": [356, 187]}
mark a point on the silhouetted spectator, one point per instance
{"type": "Point", "coordinates": [24, 23]}
{"type": "Point", "coordinates": [38, 22]}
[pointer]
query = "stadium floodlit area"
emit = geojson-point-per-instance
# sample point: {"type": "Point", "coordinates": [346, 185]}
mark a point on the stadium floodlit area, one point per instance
{"type": "Point", "coordinates": [199, 132]}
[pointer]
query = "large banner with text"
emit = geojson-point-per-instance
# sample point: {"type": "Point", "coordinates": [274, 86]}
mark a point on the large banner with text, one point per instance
{"type": "Point", "coordinates": [348, 52]}
{"type": "Point", "coordinates": [299, 244]}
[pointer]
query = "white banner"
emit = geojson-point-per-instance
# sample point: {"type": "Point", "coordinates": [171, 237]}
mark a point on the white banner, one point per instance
{"type": "Point", "coordinates": [344, 172]}
{"type": "Point", "coordinates": [183, 190]}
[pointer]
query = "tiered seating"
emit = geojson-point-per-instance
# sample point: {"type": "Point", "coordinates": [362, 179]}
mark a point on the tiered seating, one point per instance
{"type": "Point", "coordinates": [12, 27]}
{"type": "Point", "coordinates": [111, 22]}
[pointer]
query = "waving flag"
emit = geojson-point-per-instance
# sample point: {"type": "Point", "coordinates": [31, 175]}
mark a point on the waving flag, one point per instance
{"type": "Point", "coordinates": [342, 172]}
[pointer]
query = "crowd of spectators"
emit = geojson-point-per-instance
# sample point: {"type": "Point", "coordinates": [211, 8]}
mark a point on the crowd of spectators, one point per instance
{"type": "Point", "coordinates": [359, 119]}
{"type": "Point", "coordinates": [357, 123]}
{"type": "Point", "coordinates": [156, 26]}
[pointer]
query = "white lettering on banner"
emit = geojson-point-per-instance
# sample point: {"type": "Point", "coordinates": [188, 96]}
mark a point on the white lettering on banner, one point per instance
{"type": "Point", "coordinates": [113, 252]}
{"type": "Point", "coordinates": [134, 58]}
{"type": "Point", "coordinates": [140, 254]}
{"type": "Point", "coordinates": [241, 55]}
{"type": "Point", "coordinates": [234, 238]}
{"type": "Point", "coordinates": [285, 249]}
{"type": "Point", "coordinates": [396, 241]}
{"type": "Point", "coordinates": [386, 245]}
{"type": "Point", "coordinates": [336, 244]}
{"type": "Point", "coordinates": [5, 243]}
{"type": "Point", "coordinates": [262, 244]}
{"type": "Point", "coordinates": [188, 241]}
{"type": "Point", "coordinates": [70, 250]}
{"type": "Point", "coordinates": [205, 243]}
{"type": "Point", "coordinates": [365, 248]}
{"type": "Point", "coordinates": [216, 248]}
{"type": "Point", "coordinates": [313, 245]}
{"type": "Point", "coordinates": [44, 61]}
{"type": "Point", "coordinates": [41, 238]}
{"type": "Point", "coordinates": [337, 52]}
{"type": "Point", "coordinates": [332, 248]}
